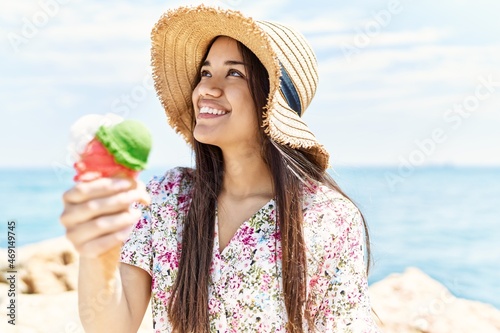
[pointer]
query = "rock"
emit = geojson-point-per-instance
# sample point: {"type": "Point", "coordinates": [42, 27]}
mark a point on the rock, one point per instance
{"type": "Point", "coordinates": [45, 268]}
{"type": "Point", "coordinates": [412, 302]}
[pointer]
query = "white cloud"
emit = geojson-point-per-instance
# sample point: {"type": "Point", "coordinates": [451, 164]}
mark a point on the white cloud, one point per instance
{"type": "Point", "coordinates": [13, 11]}
{"type": "Point", "coordinates": [323, 25]}
{"type": "Point", "coordinates": [260, 10]}
{"type": "Point", "coordinates": [362, 41]}
{"type": "Point", "coordinates": [416, 64]}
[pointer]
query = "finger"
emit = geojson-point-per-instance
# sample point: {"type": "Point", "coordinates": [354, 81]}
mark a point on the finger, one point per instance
{"type": "Point", "coordinates": [103, 225]}
{"type": "Point", "coordinates": [98, 188]}
{"type": "Point", "coordinates": [86, 211]}
{"type": "Point", "coordinates": [98, 246]}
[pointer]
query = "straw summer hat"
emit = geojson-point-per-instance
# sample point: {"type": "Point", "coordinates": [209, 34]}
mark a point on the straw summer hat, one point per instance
{"type": "Point", "coordinates": [179, 42]}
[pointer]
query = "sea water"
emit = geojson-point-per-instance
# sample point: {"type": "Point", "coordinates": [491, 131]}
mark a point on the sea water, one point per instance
{"type": "Point", "coordinates": [443, 220]}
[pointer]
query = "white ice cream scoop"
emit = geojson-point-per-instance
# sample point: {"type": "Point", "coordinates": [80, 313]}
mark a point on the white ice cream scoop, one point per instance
{"type": "Point", "coordinates": [84, 130]}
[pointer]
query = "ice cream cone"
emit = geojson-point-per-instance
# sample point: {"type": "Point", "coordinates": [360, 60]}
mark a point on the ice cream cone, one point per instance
{"type": "Point", "coordinates": [120, 150]}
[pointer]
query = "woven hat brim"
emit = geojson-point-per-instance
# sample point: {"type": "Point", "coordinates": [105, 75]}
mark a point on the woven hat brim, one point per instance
{"type": "Point", "coordinates": [286, 127]}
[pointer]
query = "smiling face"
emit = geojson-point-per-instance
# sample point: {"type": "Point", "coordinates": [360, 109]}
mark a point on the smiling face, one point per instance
{"type": "Point", "coordinates": [224, 110]}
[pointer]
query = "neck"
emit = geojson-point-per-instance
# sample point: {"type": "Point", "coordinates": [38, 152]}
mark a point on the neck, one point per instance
{"type": "Point", "coordinates": [246, 174]}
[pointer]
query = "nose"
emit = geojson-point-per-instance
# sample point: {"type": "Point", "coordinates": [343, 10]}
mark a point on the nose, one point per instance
{"type": "Point", "coordinates": [209, 87]}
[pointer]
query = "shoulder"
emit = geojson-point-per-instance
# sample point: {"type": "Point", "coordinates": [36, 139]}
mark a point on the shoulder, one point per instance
{"type": "Point", "coordinates": [176, 181]}
{"type": "Point", "coordinates": [330, 219]}
{"type": "Point", "coordinates": [334, 230]}
{"type": "Point", "coordinates": [321, 199]}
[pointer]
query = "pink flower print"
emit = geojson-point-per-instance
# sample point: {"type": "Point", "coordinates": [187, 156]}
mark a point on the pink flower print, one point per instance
{"type": "Point", "coordinates": [264, 327]}
{"type": "Point", "coordinates": [275, 253]}
{"type": "Point", "coordinates": [313, 281]}
{"type": "Point", "coordinates": [140, 223]}
{"type": "Point", "coordinates": [266, 279]}
{"type": "Point", "coordinates": [160, 248]}
{"type": "Point", "coordinates": [183, 200]}
{"type": "Point", "coordinates": [246, 236]}
{"type": "Point", "coordinates": [235, 320]}
{"type": "Point", "coordinates": [147, 247]}
{"type": "Point", "coordinates": [169, 186]}
{"type": "Point", "coordinates": [234, 284]}
{"type": "Point", "coordinates": [311, 188]}
{"type": "Point", "coordinates": [165, 258]}
{"type": "Point", "coordinates": [168, 212]}
{"type": "Point", "coordinates": [154, 188]}
{"type": "Point", "coordinates": [214, 306]}
{"type": "Point", "coordinates": [161, 295]}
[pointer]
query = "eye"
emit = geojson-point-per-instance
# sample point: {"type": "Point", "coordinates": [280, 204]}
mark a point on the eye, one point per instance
{"type": "Point", "coordinates": [205, 73]}
{"type": "Point", "coordinates": [234, 72]}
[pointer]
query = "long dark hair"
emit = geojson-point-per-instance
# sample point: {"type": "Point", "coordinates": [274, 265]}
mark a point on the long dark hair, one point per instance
{"type": "Point", "coordinates": [290, 169]}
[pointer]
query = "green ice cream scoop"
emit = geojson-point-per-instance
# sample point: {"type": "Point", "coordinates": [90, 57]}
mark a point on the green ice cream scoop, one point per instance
{"type": "Point", "coordinates": [129, 142]}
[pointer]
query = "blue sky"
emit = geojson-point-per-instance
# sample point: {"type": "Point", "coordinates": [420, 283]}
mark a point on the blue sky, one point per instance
{"type": "Point", "coordinates": [415, 82]}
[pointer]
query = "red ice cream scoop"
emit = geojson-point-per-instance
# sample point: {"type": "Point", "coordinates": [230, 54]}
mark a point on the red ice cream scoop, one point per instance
{"type": "Point", "coordinates": [121, 150]}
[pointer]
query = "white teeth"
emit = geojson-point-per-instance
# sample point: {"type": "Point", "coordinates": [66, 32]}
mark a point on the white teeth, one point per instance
{"type": "Point", "coordinates": [206, 109]}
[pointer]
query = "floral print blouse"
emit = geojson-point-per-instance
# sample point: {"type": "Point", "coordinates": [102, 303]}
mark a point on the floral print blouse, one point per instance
{"type": "Point", "coordinates": [245, 290]}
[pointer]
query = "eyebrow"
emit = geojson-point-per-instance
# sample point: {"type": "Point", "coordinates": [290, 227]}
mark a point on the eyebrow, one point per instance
{"type": "Point", "coordinates": [226, 63]}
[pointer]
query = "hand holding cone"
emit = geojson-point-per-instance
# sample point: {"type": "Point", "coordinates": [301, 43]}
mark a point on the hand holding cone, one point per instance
{"type": "Point", "coordinates": [119, 150]}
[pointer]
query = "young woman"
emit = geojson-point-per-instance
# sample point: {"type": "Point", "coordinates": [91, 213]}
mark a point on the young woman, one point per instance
{"type": "Point", "coordinates": [257, 237]}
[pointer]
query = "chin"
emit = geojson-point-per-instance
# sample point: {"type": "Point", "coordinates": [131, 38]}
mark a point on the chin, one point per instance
{"type": "Point", "coordinates": [206, 139]}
